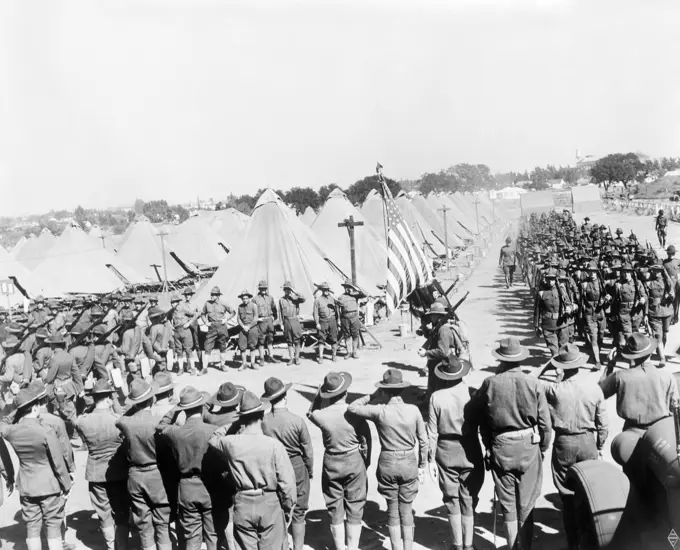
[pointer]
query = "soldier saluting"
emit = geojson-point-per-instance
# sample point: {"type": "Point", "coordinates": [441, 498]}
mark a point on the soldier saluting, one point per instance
{"type": "Point", "coordinates": [326, 323]}
{"type": "Point", "coordinates": [349, 318]}
{"type": "Point", "coordinates": [289, 306]}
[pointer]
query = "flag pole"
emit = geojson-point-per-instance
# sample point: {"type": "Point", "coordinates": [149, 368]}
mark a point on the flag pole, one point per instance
{"type": "Point", "coordinates": [381, 181]}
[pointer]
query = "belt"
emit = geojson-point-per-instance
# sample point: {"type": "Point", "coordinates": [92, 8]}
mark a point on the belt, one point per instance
{"type": "Point", "coordinates": [342, 453]}
{"type": "Point", "coordinates": [192, 473]}
{"type": "Point", "coordinates": [449, 437]}
{"type": "Point", "coordinates": [627, 304]}
{"type": "Point", "coordinates": [350, 314]}
{"type": "Point", "coordinates": [253, 492]}
{"type": "Point", "coordinates": [548, 315]}
{"type": "Point", "coordinates": [140, 466]}
{"type": "Point", "coordinates": [656, 301]}
{"type": "Point", "coordinates": [290, 317]}
{"type": "Point", "coordinates": [515, 434]}
{"type": "Point", "coordinates": [412, 449]}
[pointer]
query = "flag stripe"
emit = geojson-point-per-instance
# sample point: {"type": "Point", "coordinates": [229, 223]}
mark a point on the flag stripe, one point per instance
{"type": "Point", "coordinates": [407, 265]}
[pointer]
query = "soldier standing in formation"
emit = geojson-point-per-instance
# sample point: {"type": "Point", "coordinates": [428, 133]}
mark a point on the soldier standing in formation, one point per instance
{"type": "Point", "coordinates": [248, 337]}
{"type": "Point", "coordinates": [215, 317]}
{"type": "Point", "coordinates": [349, 318]}
{"type": "Point", "coordinates": [267, 316]}
{"type": "Point", "coordinates": [325, 321]}
{"type": "Point", "coordinates": [289, 306]}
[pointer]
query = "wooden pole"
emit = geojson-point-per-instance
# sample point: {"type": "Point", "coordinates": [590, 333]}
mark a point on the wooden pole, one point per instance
{"type": "Point", "coordinates": [350, 224]}
{"type": "Point", "coordinates": [165, 267]}
{"type": "Point", "coordinates": [444, 209]}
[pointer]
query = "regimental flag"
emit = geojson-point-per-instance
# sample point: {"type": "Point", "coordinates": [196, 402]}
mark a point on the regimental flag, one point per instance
{"type": "Point", "coordinates": [407, 266]}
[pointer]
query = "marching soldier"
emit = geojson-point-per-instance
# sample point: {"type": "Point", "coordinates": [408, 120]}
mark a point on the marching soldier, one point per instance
{"type": "Point", "coordinates": [12, 377]}
{"type": "Point", "coordinates": [660, 307]}
{"type": "Point", "coordinates": [263, 477]}
{"type": "Point", "coordinates": [579, 418]}
{"type": "Point", "coordinates": [594, 299]}
{"type": "Point", "coordinates": [216, 318]}
{"type": "Point", "coordinates": [672, 266]}
{"type": "Point", "coordinates": [515, 426]}
{"type": "Point", "coordinates": [267, 316]}
{"type": "Point", "coordinates": [620, 240]}
{"type": "Point", "coordinates": [44, 479]}
{"type": "Point", "coordinates": [39, 315]}
{"type": "Point", "coordinates": [289, 306]}
{"type": "Point", "coordinates": [325, 321]}
{"type": "Point", "coordinates": [454, 446]}
{"type": "Point", "coordinates": [507, 260]}
{"type": "Point", "coordinates": [550, 313]}
{"type": "Point", "coordinates": [401, 430]}
{"type": "Point", "coordinates": [107, 469]}
{"type": "Point", "coordinates": [248, 336]}
{"type": "Point", "coordinates": [197, 466]}
{"type": "Point", "coordinates": [349, 318]}
{"type": "Point", "coordinates": [291, 431]}
{"type": "Point", "coordinates": [42, 353]}
{"type": "Point", "coordinates": [660, 225]}
{"type": "Point", "coordinates": [346, 440]}
{"type": "Point", "coordinates": [131, 346]}
{"type": "Point", "coordinates": [628, 306]}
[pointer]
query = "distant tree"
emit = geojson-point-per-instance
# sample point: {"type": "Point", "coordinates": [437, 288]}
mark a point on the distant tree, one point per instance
{"type": "Point", "coordinates": [326, 190]}
{"type": "Point", "coordinates": [358, 191]}
{"type": "Point", "coordinates": [614, 168]}
{"type": "Point", "coordinates": [244, 207]}
{"type": "Point", "coordinates": [80, 215]}
{"type": "Point", "coordinates": [158, 211]}
{"type": "Point", "coordinates": [131, 216]}
{"type": "Point", "coordinates": [181, 212]}
{"type": "Point", "coordinates": [138, 206]}
{"type": "Point", "coordinates": [302, 197]}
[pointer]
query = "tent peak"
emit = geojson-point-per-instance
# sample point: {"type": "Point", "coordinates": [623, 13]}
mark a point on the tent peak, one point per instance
{"type": "Point", "coordinates": [337, 192]}
{"type": "Point", "coordinates": [268, 196]}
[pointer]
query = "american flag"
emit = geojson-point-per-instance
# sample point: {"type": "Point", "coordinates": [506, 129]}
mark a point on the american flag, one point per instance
{"type": "Point", "coordinates": [407, 267]}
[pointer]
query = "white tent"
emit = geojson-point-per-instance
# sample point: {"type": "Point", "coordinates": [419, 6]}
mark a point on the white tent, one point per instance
{"type": "Point", "coordinates": [308, 216]}
{"type": "Point", "coordinates": [435, 220]}
{"type": "Point", "coordinates": [36, 250]}
{"type": "Point", "coordinates": [33, 285]}
{"type": "Point", "coordinates": [198, 242]}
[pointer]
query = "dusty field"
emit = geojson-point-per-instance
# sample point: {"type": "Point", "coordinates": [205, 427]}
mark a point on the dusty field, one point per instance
{"type": "Point", "coordinates": [491, 313]}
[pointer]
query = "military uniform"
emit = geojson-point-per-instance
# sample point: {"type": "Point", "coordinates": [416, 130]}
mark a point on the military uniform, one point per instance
{"type": "Point", "coordinates": [214, 314]}
{"type": "Point", "coordinates": [326, 323]}
{"type": "Point", "coordinates": [267, 314]}
{"type": "Point", "coordinates": [672, 267]}
{"type": "Point", "coordinates": [593, 296]}
{"type": "Point", "coordinates": [507, 260]}
{"type": "Point", "coordinates": [64, 384]}
{"type": "Point", "coordinates": [248, 338]}
{"type": "Point", "coordinates": [550, 315]}
{"type": "Point", "coordinates": [289, 306]}
{"type": "Point", "coordinates": [660, 309]}
{"type": "Point", "coordinates": [627, 310]}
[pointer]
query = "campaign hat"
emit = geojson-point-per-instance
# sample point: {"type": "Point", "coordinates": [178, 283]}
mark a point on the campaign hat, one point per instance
{"type": "Point", "coordinates": [274, 388]}
{"type": "Point", "coordinates": [510, 350]}
{"type": "Point", "coordinates": [569, 356]}
{"type": "Point", "coordinates": [335, 383]}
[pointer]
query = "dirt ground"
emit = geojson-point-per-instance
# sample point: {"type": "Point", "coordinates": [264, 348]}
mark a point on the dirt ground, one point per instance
{"type": "Point", "coordinates": [491, 313]}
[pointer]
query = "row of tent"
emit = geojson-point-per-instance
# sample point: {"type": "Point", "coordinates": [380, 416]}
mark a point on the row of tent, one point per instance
{"type": "Point", "coordinates": [272, 244]}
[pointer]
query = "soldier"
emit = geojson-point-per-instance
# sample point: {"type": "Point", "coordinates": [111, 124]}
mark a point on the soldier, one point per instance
{"type": "Point", "coordinates": [628, 306]}
{"type": "Point", "coordinates": [111, 319]}
{"type": "Point", "coordinates": [140, 310]}
{"type": "Point", "coordinates": [160, 336]}
{"type": "Point", "coordinates": [620, 240]}
{"type": "Point", "coordinates": [660, 307]}
{"type": "Point", "coordinates": [105, 353]}
{"type": "Point", "coordinates": [164, 393]}
{"type": "Point", "coordinates": [672, 266]}
{"type": "Point", "coordinates": [594, 299]}
{"type": "Point", "coordinates": [660, 225]}
{"type": "Point", "coordinates": [346, 440]}
{"type": "Point", "coordinates": [551, 308]}
{"type": "Point", "coordinates": [130, 346]}
{"type": "Point", "coordinates": [149, 500]}
{"type": "Point", "coordinates": [223, 407]}
{"type": "Point", "coordinates": [44, 478]}
{"type": "Point", "coordinates": [42, 353]}
{"type": "Point", "coordinates": [82, 351]}
{"type": "Point", "coordinates": [349, 318]}
{"type": "Point", "coordinates": [263, 477]}
{"type": "Point", "coordinates": [454, 445]}
{"type": "Point", "coordinates": [248, 336]}
{"type": "Point", "coordinates": [506, 260]}
{"type": "Point", "coordinates": [579, 418]}
{"type": "Point", "coordinates": [267, 316]}
{"type": "Point", "coordinates": [39, 314]}
{"type": "Point", "coordinates": [325, 321]}
{"type": "Point", "coordinates": [183, 316]}
{"type": "Point", "coordinates": [289, 306]}
{"type": "Point", "coordinates": [291, 430]}
{"type": "Point", "coordinates": [215, 317]}
{"type": "Point", "coordinates": [12, 376]}
{"type": "Point", "coordinates": [64, 385]}
{"type": "Point", "coordinates": [107, 469]}
{"type": "Point", "coordinates": [586, 226]}
{"type": "Point", "coordinates": [514, 420]}
{"type": "Point", "coordinates": [400, 428]}
{"type": "Point", "coordinates": [196, 463]}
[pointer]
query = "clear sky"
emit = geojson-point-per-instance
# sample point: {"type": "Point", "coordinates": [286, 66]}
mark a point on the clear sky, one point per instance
{"type": "Point", "coordinates": [103, 101]}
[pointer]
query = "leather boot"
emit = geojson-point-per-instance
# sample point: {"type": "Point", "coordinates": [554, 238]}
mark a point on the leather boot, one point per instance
{"type": "Point", "coordinates": [297, 354]}
{"type": "Point", "coordinates": [355, 348]}
{"type": "Point", "coordinates": [456, 526]}
{"type": "Point", "coordinates": [122, 534]}
{"type": "Point", "coordinates": [109, 537]}
{"type": "Point", "coordinates": [348, 348]}
{"type": "Point", "coordinates": [334, 351]}
{"type": "Point", "coordinates": [291, 355]}
{"type": "Point", "coordinates": [353, 535]}
{"type": "Point", "coordinates": [511, 529]}
{"type": "Point", "coordinates": [468, 531]}
{"type": "Point", "coordinates": [338, 534]}
{"type": "Point", "coordinates": [224, 359]}
{"type": "Point", "coordinates": [34, 543]}
{"type": "Point", "coordinates": [320, 359]}
{"type": "Point", "coordinates": [407, 532]}
{"type": "Point", "coordinates": [395, 537]}
{"type": "Point", "coordinates": [298, 532]}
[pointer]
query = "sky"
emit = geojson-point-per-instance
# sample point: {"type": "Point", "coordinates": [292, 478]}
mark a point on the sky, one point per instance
{"type": "Point", "coordinates": [106, 101]}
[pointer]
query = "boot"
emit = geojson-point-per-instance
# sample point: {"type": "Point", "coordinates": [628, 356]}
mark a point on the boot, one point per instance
{"type": "Point", "coordinates": [297, 354]}
{"type": "Point", "coordinates": [407, 532]}
{"type": "Point", "coordinates": [348, 350]}
{"type": "Point", "coordinates": [272, 359]}
{"type": "Point", "coordinates": [338, 534]}
{"type": "Point", "coordinates": [395, 537]}
{"type": "Point", "coordinates": [320, 359]}
{"type": "Point", "coordinates": [468, 531]}
{"type": "Point", "coordinates": [298, 532]}
{"type": "Point", "coordinates": [180, 367]}
{"type": "Point", "coordinates": [353, 535]}
{"type": "Point", "coordinates": [54, 544]}
{"type": "Point", "coordinates": [291, 355]}
{"type": "Point", "coordinates": [35, 543]}
{"type": "Point", "coordinates": [355, 348]}
{"type": "Point", "coordinates": [334, 351]}
{"type": "Point", "coordinates": [456, 525]}
{"type": "Point", "coordinates": [122, 534]}
{"type": "Point", "coordinates": [511, 529]}
{"type": "Point", "coordinates": [109, 536]}
{"type": "Point", "coordinates": [253, 361]}
{"type": "Point", "coordinates": [224, 359]}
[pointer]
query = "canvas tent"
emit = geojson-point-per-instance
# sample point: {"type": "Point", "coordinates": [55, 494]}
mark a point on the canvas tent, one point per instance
{"type": "Point", "coordinates": [308, 216]}
{"type": "Point", "coordinates": [585, 199]}
{"type": "Point", "coordinates": [143, 251]}
{"type": "Point", "coordinates": [370, 251]}
{"type": "Point", "coordinates": [373, 211]}
{"type": "Point", "coordinates": [75, 265]}
{"type": "Point", "coordinates": [460, 214]}
{"type": "Point", "coordinates": [537, 201]}
{"type": "Point", "coordinates": [435, 221]}
{"type": "Point", "coordinates": [420, 228]}
{"type": "Point", "coordinates": [23, 280]}
{"type": "Point", "coordinates": [104, 239]}
{"type": "Point", "coordinates": [35, 250]}
{"type": "Point", "coordinates": [276, 247]}
{"type": "Point", "coordinates": [197, 242]}
{"type": "Point", "coordinates": [230, 224]}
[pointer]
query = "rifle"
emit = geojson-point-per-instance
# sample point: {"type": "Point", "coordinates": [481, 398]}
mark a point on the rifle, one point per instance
{"type": "Point", "coordinates": [449, 315]}
{"type": "Point", "coordinates": [13, 350]}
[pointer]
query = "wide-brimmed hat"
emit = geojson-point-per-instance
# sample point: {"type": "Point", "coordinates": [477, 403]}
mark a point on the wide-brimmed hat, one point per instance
{"type": "Point", "coordinates": [452, 368]}
{"type": "Point", "coordinates": [188, 291]}
{"type": "Point", "coordinates": [274, 388]}
{"type": "Point", "coordinates": [42, 333]}
{"type": "Point", "coordinates": [153, 298]}
{"type": "Point", "coordinates": [78, 329]}
{"type": "Point", "coordinates": [56, 338]}
{"type": "Point", "coordinates": [262, 284]}
{"type": "Point", "coordinates": [127, 315]}
{"type": "Point", "coordinates": [175, 298]}
{"type": "Point", "coordinates": [215, 291]}
{"type": "Point", "coordinates": [671, 249]}
{"type": "Point", "coordinates": [155, 313]}
{"type": "Point", "coordinates": [619, 230]}
{"type": "Point", "coordinates": [10, 342]}
{"type": "Point", "coordinates": [392, 379]}
{"type": "Point", "coordinates": [287, 284]}
{"type": "Point", "coordinates": [39, 299]}
{"type": "Point", "coordinates": [324, 286]}
{"type": "Point", "coordinates": [140, 391]}
{"type": "Point", "coordinates": [639, 345]}
{"type": "Point", "coordinates": [162, 382]}
{"type": "Point", "coordinates": [102, 387]}
{"type": "Point", "coordinates": [436, 309]}
{"type": "Point", "coordinates": [627, 266]}
{"type": "Point", "coordinates": [569, 357]}
{"type": "Point", "coordinates": [228, 395]}
{"type": "Point", "coordinates": [245, 292]}
{"type": "Point", "coordinates": [25, 398]}
{"type": "Point", "coordinates": [139, 300]}
{"type": "Point", "coordinates": [592, 266]}
{"type": "Point", "coordinates": [15, 328]}
{"type": "Point", "coordinates": [252, 404]}
{"type": "Point", "coordinates": [335, 383]}
{"type": "Point", "coordinates": [96, 311]}
{"type": "Point", "coordinates": [190, 398]}
{"type": "Point", "coordinates": [510, 350]}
